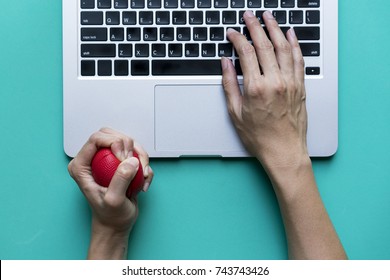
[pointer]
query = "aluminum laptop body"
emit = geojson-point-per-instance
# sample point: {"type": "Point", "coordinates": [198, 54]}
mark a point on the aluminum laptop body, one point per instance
{"type": "Point", "coordinates": [112, 78]}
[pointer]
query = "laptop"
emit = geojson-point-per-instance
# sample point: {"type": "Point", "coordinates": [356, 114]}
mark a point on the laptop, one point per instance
{"type": "Point", "coordinates": [151, 69]}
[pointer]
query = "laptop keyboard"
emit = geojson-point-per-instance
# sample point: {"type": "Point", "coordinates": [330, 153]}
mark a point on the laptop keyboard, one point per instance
{"type": "Point", "coordinates": [131, 38]}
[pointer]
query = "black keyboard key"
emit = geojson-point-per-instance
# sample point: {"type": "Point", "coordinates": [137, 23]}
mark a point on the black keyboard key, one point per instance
{"type": "Point", "coordinates": [237, 3]}
{"type": "Point", "coordinates": [229, 17]}
{"type": "Point", "coordinates": [270, 3]}
{"type": "Point", "coordinates": [104, 4]}
{"type": "Point", "coordinates": [158, 50]}
{"type": "Point", "coordinates": [140, 67]}
{"type": "Point", "coordinates": [191, 50]}
{"type": "Point", "coordinates": [296, 17]}
{"type": "Point", "coordinates": [125, 50]}
{"type": "Point", "coordinates": [200, 34]}
{"type": "Point", "coordinates": [259, 15]}
{"type": "Point", "coordinates": [187, 4]}
{"type": "Point", "coordinates": [112, 18]}
{"type": "Point", "coordinates": [104, 68]}
{"type": "Point", "coordinates": [121, 67]}
{"type": "Point", "coordinates": [93, 34]}
{"type": "Point", "coordinates": [129, 18]}
{"type": "Point", "coordinates": [221, 3]}
{"type": "Point", "coordinates": [175, 50]}
{"type": "Point", "coordinates": [91, 18]}
{"type": "Point", "coordinates": [217, 34]}
{"type": "Point", "coordinates": [137, 4]}
{"type": "Point", "coordinates": [162, 18]}
{"type": "Point", "coordinates": [208, 50]}
{"type": "Point", "coordinates": [313, 70]}
{"type": "Point", "coordinates": [179, 17]}
{"type": "Point", "coordinates": [204, 3]}
{"type": "Point", "coordinates": [237, 65]}
{"type": "Point", "coordinates": [87, 4]}
{"type": "Point", "coordinates": [308, 3]}
{"type": "Point", "coordinates": [280, 16]}
{"type": "Point", "coordinates": [195, 17]}
{"type": "Point", "coordinates": [288, 3]}
{"type": "Point", "coordinates": [167, 34]}
{"type": "Point", "coordinates": [254, 3]}
{"type": "Point", "coordinates": [154, 4]}
{"type": "Point", "coordinates": [225, 49]}
{"type": "Point", "coordinates": [150, 34]}
{"type": "Point", "coordinates": [307, 33]}
{"type": "Point", "coordinates": [98, 50]}
{"type": "Point", "coordinates": [145, 18]}
{"type": "Point", "coordinates": [310, 49]}
{"type": "Point", "coordinates": [171, 3]}
{"type": "Point", "coordinates": [186, 67]}
{"type": "Point", "coordinates": [87, 68]}
{"type": "Point", "coordinates": [313, 17]}
{"type": "Point", "coordinates": [133, 34]}
{"type": "Point", "coordinates": [141, 50]}
{"type": "Point", "coordinates": [183, 34]}
{"type": "Point", "coordinates": [121, 4]}
{"type": "Point", "coordinates": [117, 34]}
{"type": "Point", "coordinates": [212, 17]}
{"type": "Point", "coordinates": [241, 17]}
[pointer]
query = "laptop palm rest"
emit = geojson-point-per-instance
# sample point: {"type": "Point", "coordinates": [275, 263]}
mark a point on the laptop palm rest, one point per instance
{"type": "Point", "coordinates": [193, 119]}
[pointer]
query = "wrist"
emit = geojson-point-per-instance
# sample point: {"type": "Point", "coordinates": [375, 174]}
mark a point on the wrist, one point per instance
{"type": "Point", "coordinates": [290, 175]}
{"type": "Point", "coordinates": [107, 242]}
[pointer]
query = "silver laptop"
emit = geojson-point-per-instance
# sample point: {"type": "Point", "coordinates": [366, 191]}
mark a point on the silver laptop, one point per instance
{"type": "Point", "coordinates": [151, 69]}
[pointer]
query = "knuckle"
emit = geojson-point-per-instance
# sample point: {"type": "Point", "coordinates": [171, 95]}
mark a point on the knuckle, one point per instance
{"type": "Point", "coordinates": [112, 201]}
{"type": "Point", "coordinates": [265, 46]}
{"type": "Point", "coordinates": [299, 61]}
{"type": "Point", "coordinates": [254, 88]}
{"type": "Point", "coordinates": [247, 49]}
{"type": "Point", "coordinates": [280, 86]}
{"type": "Point", "coordinates": [283, 46]}
{"type": "Point", "coordinates": [125, 171]}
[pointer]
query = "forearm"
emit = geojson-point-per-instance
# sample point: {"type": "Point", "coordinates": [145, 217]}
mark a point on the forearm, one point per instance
{"type": "Point", "coordinates": [309, 230]}
{"type": "Point", "coordinates": [107, 244]}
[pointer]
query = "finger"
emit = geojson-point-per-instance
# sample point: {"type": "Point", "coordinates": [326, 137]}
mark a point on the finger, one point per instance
{"type": "Point", "coordinates": [231, 87]}
{"type": "Point", "coordinates": [263, 46]}
{"type": "Point", "coordinates": [122, 149]}
{"type": "Point", "coordinates": [116, 192]}
{"type": "Point", "coordinates": [299, 63]}
{"type": "Point", "coordinates": [248, 59]}
{"type": "Point", "coordinates": [144, 159]}
{"type": "Point", "coordinates": [95, 142]}
{"type": "Point", "coordinates": [281, 45]}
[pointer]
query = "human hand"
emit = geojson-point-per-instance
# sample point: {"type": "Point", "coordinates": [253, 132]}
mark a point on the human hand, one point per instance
{"type": "Point", "coordinates": [113, 213]}
{"type": "Point", "coordinates": [270, 116]}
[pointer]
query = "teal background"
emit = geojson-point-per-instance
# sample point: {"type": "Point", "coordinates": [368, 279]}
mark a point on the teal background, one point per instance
{"type": "Point", "coordinates": [196, 208]}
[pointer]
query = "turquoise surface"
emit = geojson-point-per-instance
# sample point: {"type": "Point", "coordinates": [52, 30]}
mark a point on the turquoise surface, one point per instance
{"type": "Point", "coordinates": [196, 208]}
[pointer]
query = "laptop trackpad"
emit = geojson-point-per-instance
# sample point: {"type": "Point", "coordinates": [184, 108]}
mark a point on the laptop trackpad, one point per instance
{"type": "Point", "coordinates": [193, 120]}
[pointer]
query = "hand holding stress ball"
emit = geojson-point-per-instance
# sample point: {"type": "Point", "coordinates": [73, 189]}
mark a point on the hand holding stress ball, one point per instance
{"type": "Point", "coordinates": [104, 165]}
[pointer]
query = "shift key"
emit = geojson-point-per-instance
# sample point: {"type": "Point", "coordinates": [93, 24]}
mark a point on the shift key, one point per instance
{"type": "Point", "coordinates": [98, 50]}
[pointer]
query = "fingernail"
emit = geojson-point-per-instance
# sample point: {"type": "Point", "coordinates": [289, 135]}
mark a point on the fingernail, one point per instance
{"type": "Point", "coordinates": [292, 32]}
{"type": "Point", "coordinates": [231, 30]}
{"type": "Point", "coordinates": [133, 161]}
{"type": "Point", "coordinates": [249, 14]}
{"type": "Point", "coordinates": [224, 63]}
{"type": "Point", "coordinates": [147, 170]}
{"type": "Point", "coordinates": [146, 187]}
{"type": "Point", "coordinates": [268, 15]}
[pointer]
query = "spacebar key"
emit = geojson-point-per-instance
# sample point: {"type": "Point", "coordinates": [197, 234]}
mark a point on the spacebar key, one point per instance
{"type": "Point", "coordinates": [186, 67]}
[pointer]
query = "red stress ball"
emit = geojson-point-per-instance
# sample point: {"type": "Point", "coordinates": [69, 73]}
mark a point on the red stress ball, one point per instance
{"type": "Point", "coordinates": [104, 165]}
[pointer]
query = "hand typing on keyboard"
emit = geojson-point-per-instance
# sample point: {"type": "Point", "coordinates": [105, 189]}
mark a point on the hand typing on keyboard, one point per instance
{"type": "Point", "coordinates": [270, 118]}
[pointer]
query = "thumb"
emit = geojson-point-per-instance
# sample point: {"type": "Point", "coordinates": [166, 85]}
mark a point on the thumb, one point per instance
{"type": "Point", "coordinates": [122, 178]}
{"type": "Point", "coordinates": [231, 87]}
